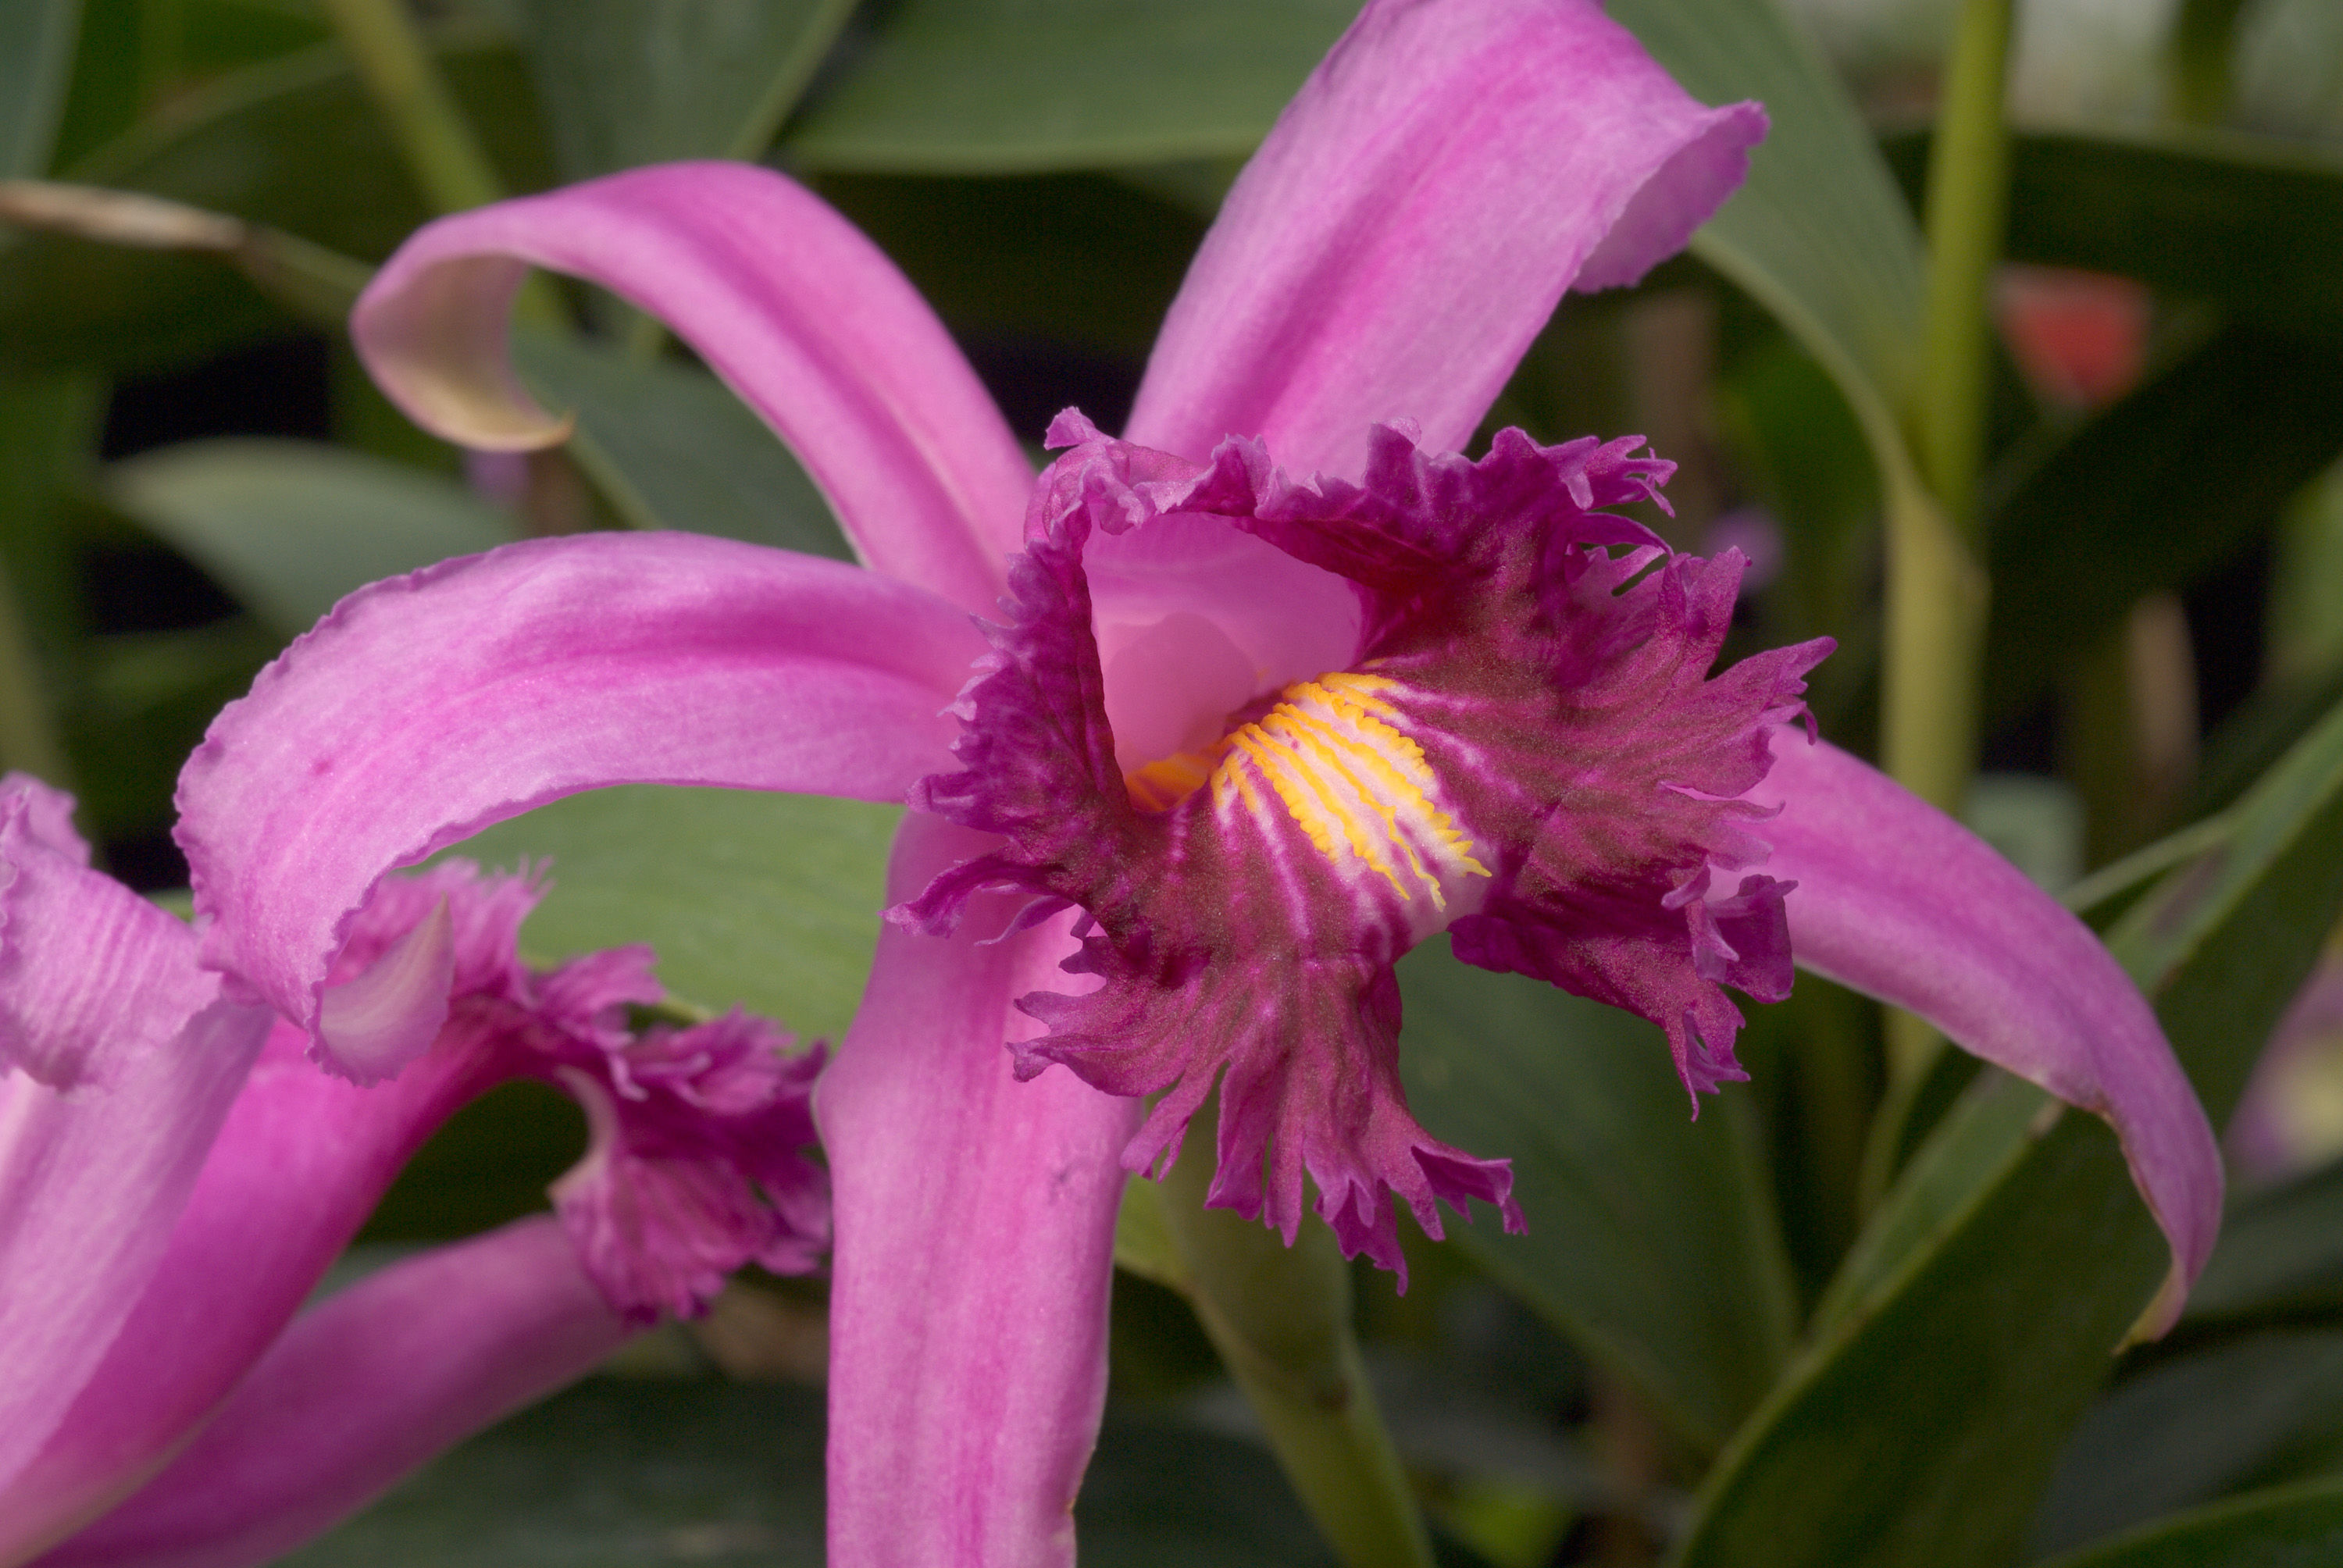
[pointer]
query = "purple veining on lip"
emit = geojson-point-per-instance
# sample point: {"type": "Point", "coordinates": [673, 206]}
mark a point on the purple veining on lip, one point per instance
{"type": "Point", "coordinates": [1526, 748]}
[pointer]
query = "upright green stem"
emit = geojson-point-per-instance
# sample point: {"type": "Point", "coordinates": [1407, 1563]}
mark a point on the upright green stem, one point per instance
{"type": "Point", "coordinates": [2197, 70]}
{"type": "Point", "coordinates": [1280, 1318]}
{"type": "Point", "coordinates": [434, 138]}
{"type": "Point", "coordinates": [1968, 195]}
{"type": "Point", "coordinates": [1935, 591]}
{"type": "Point", "coordinates": [433, 135]}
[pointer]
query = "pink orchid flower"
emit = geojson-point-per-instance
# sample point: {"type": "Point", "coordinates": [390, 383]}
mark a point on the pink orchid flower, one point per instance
{"type": "Point", "coordinates": [1239, 739]}
{"type": "Point", "coordinates": [175, 1178]}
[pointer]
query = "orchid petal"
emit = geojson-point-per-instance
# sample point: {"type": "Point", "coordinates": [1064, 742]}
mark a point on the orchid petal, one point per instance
{"type": "Point", "coordinates": [360, 1389]}
{"type": "Point", "coordinates": [1899, 902]}
{"type": "Point", "coordinates": [975, 1221]}
{"type": "Point", "coordinates": [299, 1163]}
{"type": "Point", "coordinates": [91, 1181]}
{"type": "Point", "coordinates": [425, 708]}
{"type": "Point", "coordinates": [1407, 227]}
{"type": "Point", "coordinates": [807, 321]}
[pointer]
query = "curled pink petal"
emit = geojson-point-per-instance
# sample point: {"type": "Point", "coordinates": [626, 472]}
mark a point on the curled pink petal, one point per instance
{"type": "Point", "coordinates": [1901, 902]}
{"type": "Point", "coordinates": [1442, 177]}
{"type": "Point", "coordinates": [975, 1220]}
{"type": "Point", "coordinates": [302, 1158]}
{"type": "Point", "coordinates": [297, 1166]}
{"type": "Point", "coordinates": [428, 706]}
{"type": "Point", "coordinates": [361, 1389]}
{"type": "Point", "coordinates": [101, 987]}
{"type": "Point", "coordinates": [786, 300]}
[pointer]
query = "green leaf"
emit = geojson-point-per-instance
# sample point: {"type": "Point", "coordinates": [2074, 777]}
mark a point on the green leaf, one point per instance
{"type": "Point", "coordinates": [2281, 1250]}
{"type": "Point", "coordinates": [2285, 1527]}
{"type": "Point", "coordinates": [294, 144]}
{"type": "Point", "coordinates": [1819, 233]}
{"type": "Point", "coordinates": [36, 53]}
{"type": "Point", "coordinates": [1972, 1324]}
{"type": "Point", "coordinates": [2185, 1432]}
{"type": "Point", "coordinates": [1652, 1238]}
{"type": "Point", "coordinates": [768, 902]}
{"type": "Point", "coordinates": [627, 1472]}
{"type": "Point", "coordinates": [290, 527]}
{"type": "Point", "coordinates": [1022, 86]}
{"type": "Point", "coordinates": [613, 1473]}
{"type": "Point", "coordinates": [2119, 510]}
{"type": "Point", "coordinates": [632, 82]}
{"type": "Point", "coordinates": [677, 449]}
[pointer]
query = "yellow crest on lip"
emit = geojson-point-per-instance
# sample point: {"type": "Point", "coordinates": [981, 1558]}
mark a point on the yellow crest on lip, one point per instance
{"type": "Point", "coordinates": [1332, 752]}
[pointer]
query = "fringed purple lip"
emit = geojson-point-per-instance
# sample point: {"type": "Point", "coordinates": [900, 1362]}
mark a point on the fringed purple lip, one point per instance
{"type": "Point", "coordinates": [1526, 749]}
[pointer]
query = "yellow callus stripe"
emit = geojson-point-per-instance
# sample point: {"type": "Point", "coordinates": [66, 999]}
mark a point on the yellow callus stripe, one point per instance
{"type": "Point", "coordinates": [1333, 755]}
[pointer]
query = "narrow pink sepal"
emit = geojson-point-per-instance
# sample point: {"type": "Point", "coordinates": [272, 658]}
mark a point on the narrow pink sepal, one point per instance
{"type": "Point", "coordinates": [102, 988]}
{"type": "Point", "coordinates": [975, 1226]}
{"type": "Point", "coordinates": [807, 321]}
{"type": "Point", "coordinates": [425, 708]}
{"type": "Point", "coordinates": [1899, 902]}
{"type": "Point", "coordinates": [298, 1163]}
{"type": "Point", "coordinates": [1445, 174]}
{"type": "Point", "coordinates": [360, 1389]}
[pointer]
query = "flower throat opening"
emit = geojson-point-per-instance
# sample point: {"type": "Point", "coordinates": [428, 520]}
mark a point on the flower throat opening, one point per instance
{"type": "Point", "coordinates": [1332, 754]}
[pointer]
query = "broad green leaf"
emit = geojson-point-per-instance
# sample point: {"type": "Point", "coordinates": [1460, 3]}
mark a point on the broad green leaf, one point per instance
{"type": "Point", "coordinates": [1972, 1322]}
{"type": "Point", "coordinates": [1818, 235]}
{"type": "Point", "coordinates": [619, 1472]}
{"type": "Point", "coordinates": [2285, 1527]}
{"type": "Point", "coordinates": [677, 449]}
{"type": "Point", "coordinates": [290, 527]}
{"type": "Point", "coordinates": [293, 142]}
{"type": "Point", "coordinates": [2281, 1250]}
{"type": "Point", "coordinates": [36, 53]}
{"type": "Point", "coordinates": [632, 82]}
{"type": "Point", "coordinates": [1652, 1238]}
{"type": "Point", "coordinates": [2185, 1432]}
{"type": "Point", "coordinates": [2119, 511]}
{"type": "Point", "coordinates": [1022, 86]}
{"type": "Point", "coordinates": [613, 1473]}
{"type": "Point", "coordinates": [768, 902]}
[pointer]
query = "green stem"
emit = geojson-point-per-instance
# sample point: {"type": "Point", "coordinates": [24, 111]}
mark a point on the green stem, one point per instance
{"type": "Point", "coordinates": [1968, 195]}
{"type": "Point", "coordinates": [1935, 610]}
{"type": "Point", "coordinates": [2197, 67]}
{"type": "Point", "coordinates": [1935, 592]}
{"type": "Point", "coordinates": [1280, 1318]}
{"type": "Point", "coordinates": [434, 137]}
